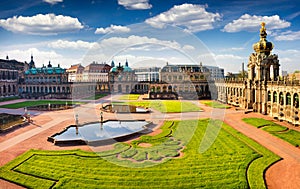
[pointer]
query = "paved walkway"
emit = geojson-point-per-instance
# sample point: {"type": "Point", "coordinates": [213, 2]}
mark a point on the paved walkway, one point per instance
{"type": "Point", "coordinates": [283, 174]}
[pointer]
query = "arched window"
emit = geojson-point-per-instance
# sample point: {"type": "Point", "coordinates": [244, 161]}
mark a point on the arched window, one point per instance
{"type": "Point", "coordinates": [281, 102]}
{"type": "Point", "coordinates": [152, 89]}
{"type": "Point", "coordinates": [164, 89]}
{"type": "Point", "coordinates": [275, 96]}
{"type": "Point", "coordinates": [158, 89]}
{"type": "Point", "coordinates": [296, 100]}
{"type": "Point", "coordinates": [288, 99]}
{"type": "Point", "coordinates": [269, 96]}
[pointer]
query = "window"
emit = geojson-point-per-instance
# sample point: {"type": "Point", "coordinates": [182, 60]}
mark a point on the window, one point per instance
{"type": "Point", "coordinates": [288, 99]}
{"type": "Point", "coordinates": [296, 100]}
{"type": "Point", "coordinates": [269, 96]}
{"type": "Point", "coordinates": [275, 97]}
{"type": "Point", "coordinates": [281, 98]}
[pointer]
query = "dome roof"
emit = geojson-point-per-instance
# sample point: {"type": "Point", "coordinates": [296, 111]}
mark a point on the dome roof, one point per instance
{"type": "Point", "coordinates": [44, 70]}
{"type": "Point", "coordinates": [263, 46]}
{"type": "Point", "coordinates": [127, 69]}
{"type": "Point", "coordinates": [113, 69]}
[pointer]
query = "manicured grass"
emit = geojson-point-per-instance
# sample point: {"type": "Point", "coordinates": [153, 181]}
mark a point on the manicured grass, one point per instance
{"type": "Point", "coordinates": [233, 161]}
{"type": "Point", "coordinates": [167, 106]}
{"type": "Point", "coordinates": [258, 122]}
{"type": "Point", "coordinates": [95, 97]}
{"type": "Point", "coordinates": [9, 98]}
{"type": "Point", "coordinates": [35, 103]}
{"type": "Point", "coordinates": [290, 136]}
{"type": "Point", "coordinates": [167, 130]}
{"type": "Point", "coordinates": [129, 97]}
{"type": "Point", "coordinates": [215, 104]}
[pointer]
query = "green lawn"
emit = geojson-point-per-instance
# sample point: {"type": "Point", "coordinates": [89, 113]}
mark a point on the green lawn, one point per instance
{"type": "Point", "coordinates": [95, 97]}
{"type": "Point", "coordinates": [9, 98]}
{"type": "Point", "coordinates": [129, 97]}
{"type": "Point", "coordinates": [35, 103]}
{"type": "Point", "coordinates": [233, 161]}
{"type": "Point", "coordinates": [290, 136]}
{"type": "Point", "coordinates": [215, 104]}
{"type": "Point", "coordinates": [166, 106]}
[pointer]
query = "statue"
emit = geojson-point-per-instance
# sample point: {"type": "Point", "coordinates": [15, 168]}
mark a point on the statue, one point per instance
{"type": "Point", "coordinates": [263, 33]}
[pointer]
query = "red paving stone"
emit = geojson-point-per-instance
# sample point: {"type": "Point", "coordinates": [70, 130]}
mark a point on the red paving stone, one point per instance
{"type": "Point", "coordinates": [283, 174]}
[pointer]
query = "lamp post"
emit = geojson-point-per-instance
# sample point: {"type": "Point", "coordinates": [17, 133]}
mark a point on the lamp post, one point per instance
{"type": "Point", "coordinates": [25, 111]}
{"type": "Point", "coordinates": [101, 120]}
{"type": "Point", "coordinates": [76, 119]}
{"type": "Point", "coordinates": [49, 106]}
{"type": "Point", "coordinates": [101, 117]}
{"type": "Point", "coordinates": [76, 122]}
{"type": "Point", "coordinates": [28, 117]}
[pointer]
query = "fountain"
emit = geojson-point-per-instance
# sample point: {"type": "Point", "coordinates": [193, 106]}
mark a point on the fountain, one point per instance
{"type": "Point", "coordinates": [90, 133]}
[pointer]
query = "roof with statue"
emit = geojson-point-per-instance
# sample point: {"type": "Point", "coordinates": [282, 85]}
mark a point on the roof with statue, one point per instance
{"type": "Point", "coordinates": [46, 70]}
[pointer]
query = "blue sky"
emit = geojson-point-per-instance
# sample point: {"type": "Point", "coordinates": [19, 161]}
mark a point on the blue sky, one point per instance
{"type": "Point", "coordinates": [148, 32]}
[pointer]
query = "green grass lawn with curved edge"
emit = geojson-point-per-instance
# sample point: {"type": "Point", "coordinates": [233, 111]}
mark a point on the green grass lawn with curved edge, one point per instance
{"type": "Point", "coordinates": [95, 97]}
{"type": "Point", "coordinates": [233, 161]}
{"type": "Point", "coordinates": [216, 104]}
{"type": "Point", "coordinates": [9, 98]}
{"type": "Point", "coordinates": [129, 97]}
{"type": "Point", "coordinates": [288, 135]}
{"type": "Point", "coordinates": [165, 106]}
{"type": "Point", "coordinates": [37, 102]}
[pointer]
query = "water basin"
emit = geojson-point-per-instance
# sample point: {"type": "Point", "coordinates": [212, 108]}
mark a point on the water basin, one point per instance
{"type": "Point", "coordinates": [93, 132]}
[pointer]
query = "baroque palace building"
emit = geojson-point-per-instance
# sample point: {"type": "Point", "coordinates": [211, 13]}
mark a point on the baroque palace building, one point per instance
{"type": "Point", "coordinates": [11, 75]}
{"type": "Point", "coordinates": [263, 91]}
{"type": "Point", "coordinates": [45, 82]}
{"type": "Point", "coordinates": [181, 81]}
{"type": "Point", "coordinates": [122, 79]}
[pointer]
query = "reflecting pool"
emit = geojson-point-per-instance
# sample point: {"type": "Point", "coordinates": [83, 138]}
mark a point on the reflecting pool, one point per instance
{"type": "Point", "coordinates": [99, 131]}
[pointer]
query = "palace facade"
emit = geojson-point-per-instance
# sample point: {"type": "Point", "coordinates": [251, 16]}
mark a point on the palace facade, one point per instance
{"type": "Point", "coordinates": [263, 91]}
{"type": "Point", "coordinates": [122, 79]}
{"type": "Point", "coordinates": [45, 82]}
{"type": "Point", "coordinates": [11, 75]}
{"type": "Point", "coordinates": [181, 81]}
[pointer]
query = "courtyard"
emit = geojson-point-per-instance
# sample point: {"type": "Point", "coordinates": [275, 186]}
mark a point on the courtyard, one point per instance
{"type": "Point", "coordinates": [233, 160]}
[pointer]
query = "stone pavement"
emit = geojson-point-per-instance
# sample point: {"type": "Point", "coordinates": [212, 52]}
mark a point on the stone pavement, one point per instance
{"type": "Point", "coordinates": [283, 174]}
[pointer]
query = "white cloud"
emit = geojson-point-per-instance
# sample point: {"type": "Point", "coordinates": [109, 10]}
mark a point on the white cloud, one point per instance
{"type": "Point", "coordinates": [40, 57]}
{"type": "Point", "coordinates": [193, 18]}
{"type": "Point", "coordinates": [288, 59]}
{"type": "Point", "coordinates": [288, 36]}
{"type": "Point", "coordinates": [77, 45]}
{"type": "Point", "coordinates": [252, 23]}
{"type": "Point", "coordinates": [52, 2]}
{"type": "Point", "coordinates": [230, 62]}
{"type": "Point", "coordinates": [112, 28]}
{"type": "Point", "coordinates": [133, 40]}
{"type": "Point", "coordinates": [139, 47]}
{"type": "Point", "coordinates": [135, 4]}
{"type": "Point", "coordinates": [41, 24]}
{"type": "Point", "coordinates": [188, 47]}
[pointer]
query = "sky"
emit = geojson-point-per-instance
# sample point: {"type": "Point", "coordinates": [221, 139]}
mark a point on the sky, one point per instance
{"type": "Point", "coordinates": [148, 32]}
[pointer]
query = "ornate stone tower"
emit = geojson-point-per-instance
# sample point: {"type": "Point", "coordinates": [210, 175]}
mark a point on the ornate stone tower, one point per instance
{"type": "Point", "coordinates": [262, 67]}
